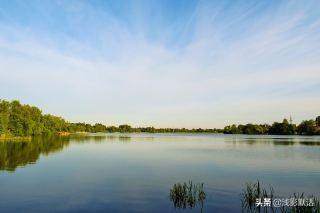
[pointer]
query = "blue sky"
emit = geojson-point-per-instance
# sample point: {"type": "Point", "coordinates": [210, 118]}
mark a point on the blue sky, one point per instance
{"type": "Point", "coordinates": [163, 63]}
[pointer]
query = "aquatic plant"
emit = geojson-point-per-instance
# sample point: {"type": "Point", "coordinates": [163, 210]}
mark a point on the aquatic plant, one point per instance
{"type": "Point", "coordinates": [187, 195]}
{"type": "Point", "coordinates": [253, 194]}
{"type": "Point", "coordinates": [303, 209]}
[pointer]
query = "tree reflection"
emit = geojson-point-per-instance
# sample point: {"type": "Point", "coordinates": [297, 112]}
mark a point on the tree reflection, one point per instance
{"type": "Point", "coordinates": [187, 195]}
{"type": "Point", "coordinates": [14, 154]}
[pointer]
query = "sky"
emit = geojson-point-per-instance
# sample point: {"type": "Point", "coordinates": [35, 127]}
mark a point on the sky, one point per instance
{"type": "Point", "coordinates": [182, 63]}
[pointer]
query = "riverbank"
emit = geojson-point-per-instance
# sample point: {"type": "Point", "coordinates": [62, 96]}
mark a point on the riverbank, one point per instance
{"type": "Point", "coordinates": [6, 137]}
{"type": "Point", "coordinates": [10, 137]}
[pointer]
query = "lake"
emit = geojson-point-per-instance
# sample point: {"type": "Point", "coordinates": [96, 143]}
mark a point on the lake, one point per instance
{"type": "Point", "coordinates": [135, 172]}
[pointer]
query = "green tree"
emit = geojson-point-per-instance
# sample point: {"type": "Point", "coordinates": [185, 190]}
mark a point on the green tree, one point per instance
{"type": "Point", "coordinates": [284, 128]}
{"type": "Point", "coordinates": [307, 127]}
{"type": "Point", "coordinates": [125, 128]}
{"type": "Point", "coordinates": [233, 129]}
{"type": "Point", "coordinates": [99, 128]}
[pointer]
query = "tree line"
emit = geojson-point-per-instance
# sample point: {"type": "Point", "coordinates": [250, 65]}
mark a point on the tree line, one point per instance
{"type": "Point", "coordinates": [18, 119]}
{"type": "Point", "coordinates": [307, 127]}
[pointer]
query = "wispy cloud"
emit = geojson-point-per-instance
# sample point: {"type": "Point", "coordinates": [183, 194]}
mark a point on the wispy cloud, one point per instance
{"type": "Point", "coordinates": [210, 64]}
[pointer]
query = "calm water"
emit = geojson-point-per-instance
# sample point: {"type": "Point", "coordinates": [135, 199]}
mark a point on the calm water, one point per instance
{"type": "Point", "coordinates": [121, 173]}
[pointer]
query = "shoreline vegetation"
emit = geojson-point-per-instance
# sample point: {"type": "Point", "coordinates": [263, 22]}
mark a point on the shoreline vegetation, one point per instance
{"type": "Point", "coordinates": [21, 122]}
{"type": "Point", "coordinates": [254, 194]}
{"type": "Point", "coordinates": [4, 137]}
{"type": "Point", "coordinates": [253, 197]}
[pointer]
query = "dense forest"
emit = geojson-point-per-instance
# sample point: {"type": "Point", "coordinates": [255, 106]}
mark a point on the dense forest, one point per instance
{"type": "Point", "coordinates": [17, 119]}
{"type": "Point", "coordinates": [307, 127]}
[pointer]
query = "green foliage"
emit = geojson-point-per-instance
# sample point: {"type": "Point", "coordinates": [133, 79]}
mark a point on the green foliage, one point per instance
{"type": "Point", "coordinates": [112, 129]}
{"type": "Point", "coordinates": [189, 195]}
{"type": "Point", "coordinates": [283, 128]}
{"type": "Point", "coordinates": [233, 129]}
{"type": "Point", "coordinates": [307, 128]}
{"type": "Point", "coordinates": [249, 129]}
{"type": "Point", "coordinates": [4, 123]}
{"type": "Point", "coordinates": [125, 128]}
{"type": "Point", "coordinates": [254, 192]}
{"type": "Point", "coordinates": [24, 120]}
{"type": "Point", "coordinates": [99, 128]}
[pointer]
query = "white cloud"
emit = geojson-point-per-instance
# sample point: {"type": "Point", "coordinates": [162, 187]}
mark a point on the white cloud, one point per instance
{"type": "Point", "coordinates": [217, 77]}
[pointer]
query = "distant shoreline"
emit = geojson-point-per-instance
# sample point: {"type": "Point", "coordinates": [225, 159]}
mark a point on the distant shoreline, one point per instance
{"type": "Point", "coordinates": [19, 121]}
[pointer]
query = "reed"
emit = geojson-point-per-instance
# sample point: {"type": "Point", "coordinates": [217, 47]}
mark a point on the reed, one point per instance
{"type": "Point", "coordinates": [254, 192]}
{"type": "Point", "coordinates": [187, 195]}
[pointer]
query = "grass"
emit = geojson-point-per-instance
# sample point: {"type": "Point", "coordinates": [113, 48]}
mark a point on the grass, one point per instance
{"type": "Point", "coordinates": [187, 195]}
{"type": "Point", "coordinates": [254, 191]}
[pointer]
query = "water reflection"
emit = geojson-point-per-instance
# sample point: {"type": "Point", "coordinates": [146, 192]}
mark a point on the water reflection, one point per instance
{"type": "Point", "coordinates": [100, 137]}
{"type": "Point", "coordinates": [122, 138]}
{"type": "Point", "coordinates": [14, 154]}
{"type": "Point", "coordinates": [308, 143]}
{"type": "Point", "coordinates": [273, 140]}
{"type": "Point", "coordinates": [84, 138]}
{"type": "Point", "coordinates": [255, 198]}
{"type": "Point", "coordinates": [187, 195]}
{"type": "Point", "coordinates": [110, 172]}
